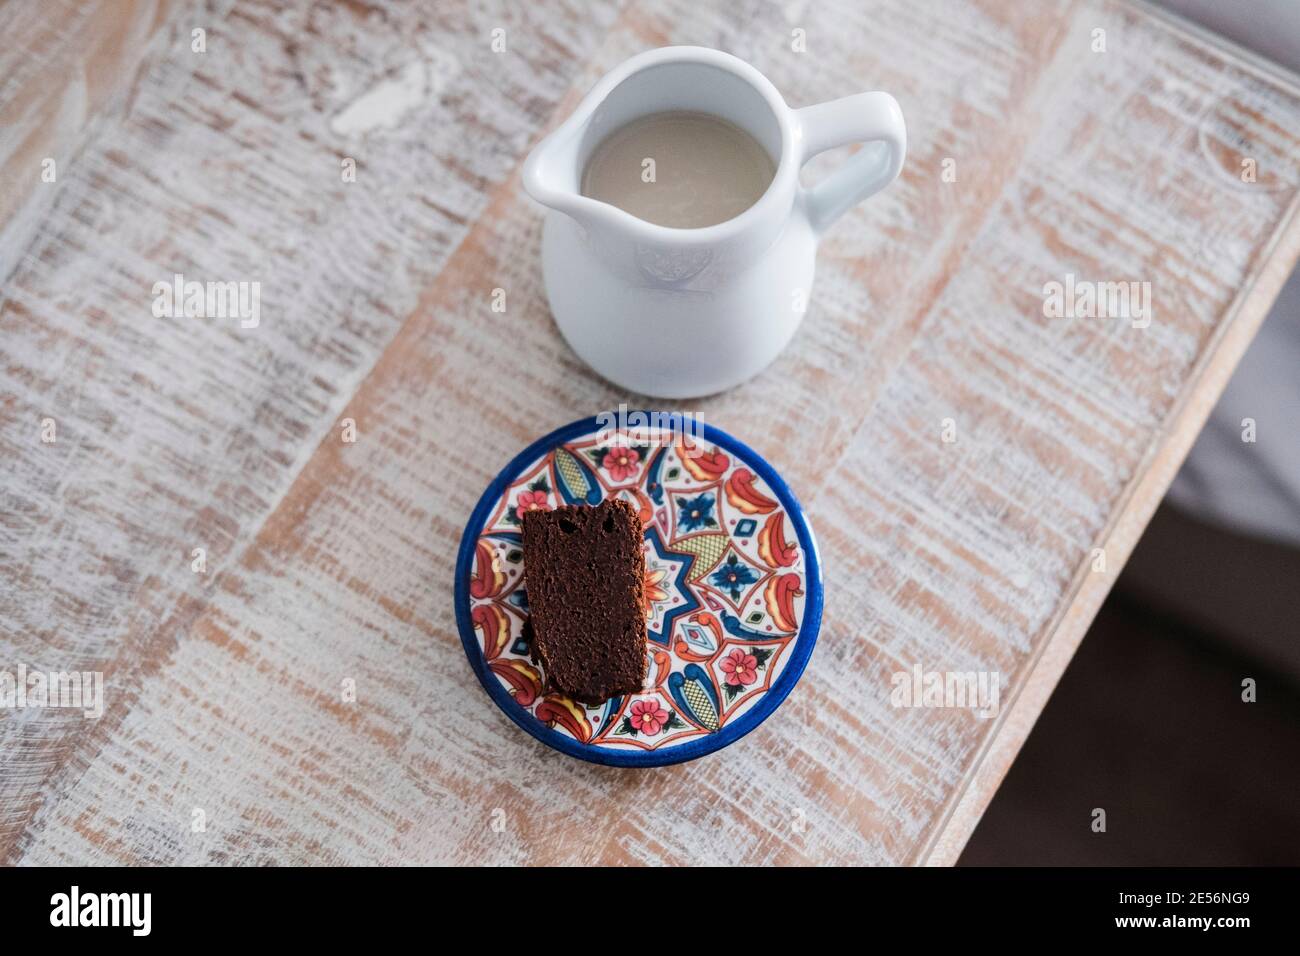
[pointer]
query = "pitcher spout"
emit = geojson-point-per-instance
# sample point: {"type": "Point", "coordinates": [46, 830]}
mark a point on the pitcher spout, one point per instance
{"type": "Point", "coordinates": [552, 173]}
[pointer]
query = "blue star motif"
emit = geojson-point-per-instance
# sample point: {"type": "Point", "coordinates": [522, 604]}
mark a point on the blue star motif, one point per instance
{"type": "Point", "coordinates": [678, 586]}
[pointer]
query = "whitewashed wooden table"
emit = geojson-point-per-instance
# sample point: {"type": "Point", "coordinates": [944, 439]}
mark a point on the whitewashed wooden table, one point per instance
{"type": "Point", "coordinates": [327, 561]}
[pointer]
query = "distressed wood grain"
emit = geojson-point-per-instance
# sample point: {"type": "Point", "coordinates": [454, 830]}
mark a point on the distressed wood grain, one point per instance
{"type": "Point", "coordinates": [67, 64]}
{"type": "Point", "coordinates": [181, 434]}
{"type": "Point", "coordinates": [330, 560]}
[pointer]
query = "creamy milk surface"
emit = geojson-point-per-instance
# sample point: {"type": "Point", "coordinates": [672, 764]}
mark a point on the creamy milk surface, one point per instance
{"type": "Point", "coordinates": [680, 169]}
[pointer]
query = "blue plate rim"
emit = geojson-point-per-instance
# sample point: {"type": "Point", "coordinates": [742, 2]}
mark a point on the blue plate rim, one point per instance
{"type": "Point", "coordinates": [809, 627]}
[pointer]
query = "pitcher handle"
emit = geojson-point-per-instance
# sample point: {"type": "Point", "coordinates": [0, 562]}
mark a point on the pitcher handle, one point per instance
{"type": "Point", "coordinates": [871, 118]}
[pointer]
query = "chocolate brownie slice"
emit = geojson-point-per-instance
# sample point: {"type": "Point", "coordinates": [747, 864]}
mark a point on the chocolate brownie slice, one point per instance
{"type": "Point", "coordinates": [585, 576]}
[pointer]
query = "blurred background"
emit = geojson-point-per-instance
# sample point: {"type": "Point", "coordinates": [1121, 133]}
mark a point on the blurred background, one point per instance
{"type": "Point", "coordinates": [1149, 715]}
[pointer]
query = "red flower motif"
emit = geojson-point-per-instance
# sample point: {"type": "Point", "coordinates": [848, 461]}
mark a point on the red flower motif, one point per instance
{"type": "Point", "coordinates": [741, 668]}
{"type": "Point", "coordinates": [648, 717]}
{"type": "Point", "coordinates": [621, 463]}
{"type": "Point", "coordinates": [530, 501]}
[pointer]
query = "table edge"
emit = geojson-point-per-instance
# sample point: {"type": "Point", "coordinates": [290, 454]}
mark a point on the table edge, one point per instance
{"type": "Point", "coordinates": [1199, 394]}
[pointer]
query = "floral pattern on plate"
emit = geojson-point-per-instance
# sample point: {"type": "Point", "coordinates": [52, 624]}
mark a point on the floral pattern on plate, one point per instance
{"type": "Point", "coordinates": [726, 587]}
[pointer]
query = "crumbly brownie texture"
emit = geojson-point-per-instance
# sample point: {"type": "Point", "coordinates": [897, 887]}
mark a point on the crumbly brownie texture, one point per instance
{"type": "Point", "coordinates": [585, 576]}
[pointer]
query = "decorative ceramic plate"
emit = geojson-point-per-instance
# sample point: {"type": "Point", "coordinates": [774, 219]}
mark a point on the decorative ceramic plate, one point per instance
{"type": "Point", "coordinates": [733, 588]}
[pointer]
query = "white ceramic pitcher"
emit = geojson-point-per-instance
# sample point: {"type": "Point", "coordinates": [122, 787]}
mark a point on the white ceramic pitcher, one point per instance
{"type": "Point", "coordinates": [679, 313]}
